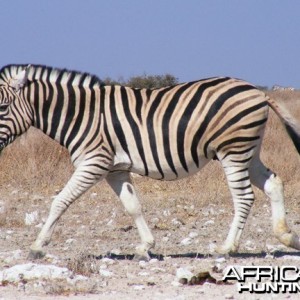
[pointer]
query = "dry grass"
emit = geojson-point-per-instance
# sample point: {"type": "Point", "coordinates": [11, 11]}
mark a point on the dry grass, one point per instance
{"type": "Point", "coordinates": [35, 160]}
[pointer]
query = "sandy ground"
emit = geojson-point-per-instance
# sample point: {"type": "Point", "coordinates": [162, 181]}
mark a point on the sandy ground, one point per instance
{"type": "Point", "coordinates": [187, 230]}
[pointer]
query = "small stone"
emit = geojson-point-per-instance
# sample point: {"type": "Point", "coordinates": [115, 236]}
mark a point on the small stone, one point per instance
{"type": "Point", "coordinates": [184, 273]}
{"type": "Point", "coordinates": [31, 218]}
{"type": "Point", "coordinates": [220, 260]}
{"type": "Point", "coordinates": [229, 296]}
{"type": "Point", "coordinates": [105, 273]}
{"type": "Point", "coordinates": [193, 234]}
{"type": "Point", "coordinates": [153, 261]}
{"type": "Point", "coordinates": [186, 241]}
{"type": "Point", "coordinates": [143, 274]}
{"type": "Point", "coordinates": [70, 241]}
{"type": "Point", "coordinates": [108, 261]}
{"type": "Point", "coordinates": [115, 251]}
{"type": "Point", "coordinates": [209, 222]}
{"type": "Point", "coordinates": [142, 264]}
{"type": "Point", "coordinates": [139, 287]}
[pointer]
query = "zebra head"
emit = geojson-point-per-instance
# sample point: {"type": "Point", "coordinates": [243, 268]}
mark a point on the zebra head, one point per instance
{"type": "Point", "coordinates": [15, 110]}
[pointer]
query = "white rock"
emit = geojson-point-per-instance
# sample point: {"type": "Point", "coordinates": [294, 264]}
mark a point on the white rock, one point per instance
{"type": "Point", "coordinates": [153, 261]}
{"type": "Point", "coordinates": [116, 251]}
{"type": "Point", "coordinates": [186, 241]}
{"type": "Point", "coordinates": [209, 222]}
{"type": "Point", "coordinates": [31, 218]}
{"type": "Point", "coordinates": [70, 241]}
{"type": "Point", "coordinates": [193, 234]}
{"type": "Point", "coordinates": [176, 222]}
{"type": "Point", "coordinates": [93, 195]}
{"type": "Point", "coordinates": [249, 245]}
{"type": "Point", "coordinates": [110, 222]}
{"type": "Point", "coordinates": [220, 260]}
{"type": "Point", "coordinates": [166, 213]}
{"type": "Point", "coordinates": [103, 267]}
{"type": "Point", "coordinates": [143, 264]}
{"type": "Point", "coordinates": [139, 287]}
{"type": "Point", "coordinates": [108, 261]}
{"type": "Point", "coordinates": [106, 273]}
{"type": "Point", "coordinates": [34, 271]}
{"type": "Point", "coordinates": [143, 274]}
{"type": "Point", "coordinates": [212, 247]}
{"type": "Point", "coordinates": [184, 273]}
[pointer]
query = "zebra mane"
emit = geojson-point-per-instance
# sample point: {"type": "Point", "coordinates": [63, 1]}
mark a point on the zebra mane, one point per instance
{"type": "Point", "coordinates": [38, 71]}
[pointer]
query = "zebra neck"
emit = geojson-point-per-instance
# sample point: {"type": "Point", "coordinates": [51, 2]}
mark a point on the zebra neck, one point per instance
{"type": "Point", "coordinates": [61, 110]}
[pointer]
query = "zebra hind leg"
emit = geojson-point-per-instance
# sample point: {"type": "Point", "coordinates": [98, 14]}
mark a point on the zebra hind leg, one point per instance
{"type": "Point", "coordinates": [272, 185]}
{"type": "Point", "coordinates": [121, 183]}
{"type": "Point", "coordinates": [238, 179]}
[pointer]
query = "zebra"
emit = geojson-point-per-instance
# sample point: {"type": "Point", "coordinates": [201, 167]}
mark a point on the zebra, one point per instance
{"type": "Point", "coordinates": [166, 134]}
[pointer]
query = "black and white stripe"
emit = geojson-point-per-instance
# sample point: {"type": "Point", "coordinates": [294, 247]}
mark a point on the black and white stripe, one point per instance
{"type": "Point", "coordinates": [167, 134]}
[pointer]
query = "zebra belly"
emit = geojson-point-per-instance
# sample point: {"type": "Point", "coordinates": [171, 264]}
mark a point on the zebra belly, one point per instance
{"type": "Point", "coordinates": [165, 172]}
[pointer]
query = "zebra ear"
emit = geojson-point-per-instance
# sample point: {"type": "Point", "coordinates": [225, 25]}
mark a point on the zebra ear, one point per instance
{"type": "Point", "coordinates": [20, 79]}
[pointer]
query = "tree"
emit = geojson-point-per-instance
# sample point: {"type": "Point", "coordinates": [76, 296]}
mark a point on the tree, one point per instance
{"type": "Point", "coordinates": [144, 81]}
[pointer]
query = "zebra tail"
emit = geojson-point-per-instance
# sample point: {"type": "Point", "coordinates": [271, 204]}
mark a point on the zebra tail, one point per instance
{"type": "Point", "coordinates": [291, 125]}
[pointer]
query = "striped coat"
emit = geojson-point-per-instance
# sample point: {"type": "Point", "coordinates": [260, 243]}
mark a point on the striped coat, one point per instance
{"type": "Point", "coordinates": [167, 134]}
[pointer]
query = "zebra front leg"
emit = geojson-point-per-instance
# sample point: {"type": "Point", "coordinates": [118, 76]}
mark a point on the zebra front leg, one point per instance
{"type": "Point", "coordinates": [123, 187]}
{"type": "Point", "coordinates": [81, 181]}
{"type": "Point", "coordinates": [243, 197]}
{"type": "Point", "coordinates": [272, 185]}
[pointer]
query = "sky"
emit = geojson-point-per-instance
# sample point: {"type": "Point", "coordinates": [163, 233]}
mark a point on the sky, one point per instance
{"type": "Point", "coordinates": [257, 40]}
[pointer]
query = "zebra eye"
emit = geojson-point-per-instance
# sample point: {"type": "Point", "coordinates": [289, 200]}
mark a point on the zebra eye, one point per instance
{"type": "Point", "coordinates": [3, 107]}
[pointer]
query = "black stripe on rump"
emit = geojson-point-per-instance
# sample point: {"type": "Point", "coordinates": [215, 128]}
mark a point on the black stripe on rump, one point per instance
{"type": "Point", "coordinates": [151, 130]}
{"type": "Point", "coordinates": [71, 106]}
{"type": "Point", "coordinates": [183, 123]}
{"type": "Point", "coordinates": [215, 107]}
{"type": "Point", "coordinates": [240, 139]}
{"type": "Point", "coordinates": [116, 122]}
{"type": "Point", "coordinates": [134, 127]}
{"type": "Point", "coordinates": [56, 113]}
{"type": "Point", "coordinates": [238, 152]}
{"type": "Point", "coordinates": [236, 119]}
{"type": "Point", "coordinates": [166, 121]}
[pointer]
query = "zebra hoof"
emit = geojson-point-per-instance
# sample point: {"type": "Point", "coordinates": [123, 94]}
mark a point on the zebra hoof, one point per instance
{"type": "Point", "coordinates": [141, 254]}
{"type": "Point", "coordinates": [226, 250]}
{"type": "Point", "coordinates": [290, 239]}
{"type": "Point", "coordinates": [139, 257]}
{"type": "Point", "coordinates": [295, 241]}
{"type": "Point", "coordinates": [36, 254]}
